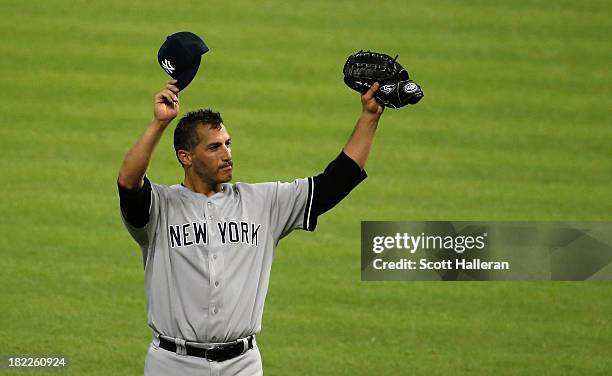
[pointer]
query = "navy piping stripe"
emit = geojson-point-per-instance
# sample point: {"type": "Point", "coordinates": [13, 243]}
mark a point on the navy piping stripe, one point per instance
{"type": "Point", "coordinates": [308, 204]}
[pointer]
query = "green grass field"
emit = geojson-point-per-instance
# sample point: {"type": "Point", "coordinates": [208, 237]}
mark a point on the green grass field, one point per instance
{"type": "Point", "coordinates": [515, 125]}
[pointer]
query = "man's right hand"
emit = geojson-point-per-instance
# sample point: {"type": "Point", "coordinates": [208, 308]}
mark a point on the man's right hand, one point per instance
{"type": "Point", "coordinates": [167, 103]}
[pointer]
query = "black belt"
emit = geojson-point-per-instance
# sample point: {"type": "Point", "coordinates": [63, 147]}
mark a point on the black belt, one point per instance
{"type": "Point", "coordinates": [223, 352]}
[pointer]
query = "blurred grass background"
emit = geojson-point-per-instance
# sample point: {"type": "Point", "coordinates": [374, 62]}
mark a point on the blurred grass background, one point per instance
{"type": "Point", "coordinates": [515, 125]}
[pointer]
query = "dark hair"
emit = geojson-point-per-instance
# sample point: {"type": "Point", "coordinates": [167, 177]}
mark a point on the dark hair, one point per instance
{"type": "Point", "coordinates": [186, 131]}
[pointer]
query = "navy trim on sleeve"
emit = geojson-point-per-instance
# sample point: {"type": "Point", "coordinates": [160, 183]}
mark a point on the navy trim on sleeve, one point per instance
{"type": "Point", "coordinates": [135, 204]}
{"type": "Point", "coordinates": [310, 221]}
{"type": "Point", "coordinates": [340, 177]}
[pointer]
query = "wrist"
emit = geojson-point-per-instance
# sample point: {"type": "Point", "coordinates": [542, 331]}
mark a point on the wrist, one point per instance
{"type": "Point", "coordinates": [370, 117]}
{"type": "Point", "coordinates": [161, 124]}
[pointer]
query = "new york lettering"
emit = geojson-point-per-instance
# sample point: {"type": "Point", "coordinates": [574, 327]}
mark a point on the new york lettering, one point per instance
{"type": "Point", "coordinates": [187, 234]}
{"type": "Point", "coordinates": [239, 232]}
{"type": "Point", "coordinates": [192, 233]}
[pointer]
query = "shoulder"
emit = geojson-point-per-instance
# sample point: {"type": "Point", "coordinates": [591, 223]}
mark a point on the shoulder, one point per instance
{"type": "Point", "coordinates": [162, 187]}
{"type": "Point", "coordinates": [163, 191]}
{"type": "Point", "coordinates": [240, 188]}
{"type": "Point", "coordinates": [264, 187]}
{"type": "Point", "coordinates": [267, 189]}
{"type": "Point", "coordinates": [252, 191]}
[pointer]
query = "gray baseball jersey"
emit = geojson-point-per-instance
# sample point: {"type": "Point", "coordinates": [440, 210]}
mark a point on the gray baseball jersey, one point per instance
{"type": "Point", "coordinates": [207, 260]}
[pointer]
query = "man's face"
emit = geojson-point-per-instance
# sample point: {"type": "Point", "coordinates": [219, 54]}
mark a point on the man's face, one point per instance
{"type": "Point", "coordinates": [212, 156]}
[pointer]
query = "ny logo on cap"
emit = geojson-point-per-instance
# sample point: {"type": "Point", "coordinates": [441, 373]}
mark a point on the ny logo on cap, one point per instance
{"type": "Point", "coordinates": [167, 66]}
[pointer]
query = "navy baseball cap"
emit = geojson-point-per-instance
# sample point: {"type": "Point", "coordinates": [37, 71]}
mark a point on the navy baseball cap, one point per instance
{"type": "Point", "coordinates": [180, 56]}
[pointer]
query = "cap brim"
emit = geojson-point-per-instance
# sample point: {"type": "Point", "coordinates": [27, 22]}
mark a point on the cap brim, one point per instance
{"type": "Point", "coordinates": [186, 77]}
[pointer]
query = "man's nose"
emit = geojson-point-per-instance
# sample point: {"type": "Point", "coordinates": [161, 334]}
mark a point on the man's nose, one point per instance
{"type": "Point", "coordinates": [227, 153]}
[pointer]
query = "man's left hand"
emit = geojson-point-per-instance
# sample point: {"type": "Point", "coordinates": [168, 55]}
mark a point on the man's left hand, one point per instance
{"type": "Point", "coordinates": [369, 104]}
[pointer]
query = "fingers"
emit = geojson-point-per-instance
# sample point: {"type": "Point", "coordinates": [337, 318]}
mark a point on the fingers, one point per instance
{"type": "Point", "coordinates": [370, 93]}
{"type": "Point", "coordinates": [169, 93]}
{"type": "Point", "coordinates": [171, 85]}
{"type": "Point", "coordinates": [172, 88]}
{"type": "Point", "coordinates": [167, 96]}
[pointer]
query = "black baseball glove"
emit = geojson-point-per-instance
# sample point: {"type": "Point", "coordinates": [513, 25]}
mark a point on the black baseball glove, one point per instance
{"type": "Point", "coordinates": [363, 69]}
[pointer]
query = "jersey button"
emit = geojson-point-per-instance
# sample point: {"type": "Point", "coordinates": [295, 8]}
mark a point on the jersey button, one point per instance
{"type": "Point", "coordinates": [216, 283]}
{"type": "Point", "coordinates": [216, 310]}
{"type": "Point", "coordinates": [214, 257]}
{"type": "Point", "coordinates": [210, 217]}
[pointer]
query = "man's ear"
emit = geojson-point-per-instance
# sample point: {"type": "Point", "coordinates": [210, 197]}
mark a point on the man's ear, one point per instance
{"type": "Point", "coordinates": [184, 156]}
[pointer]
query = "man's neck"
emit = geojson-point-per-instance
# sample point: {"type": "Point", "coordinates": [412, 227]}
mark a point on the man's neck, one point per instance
{"type": "Point", "coordinates": [199, 186]}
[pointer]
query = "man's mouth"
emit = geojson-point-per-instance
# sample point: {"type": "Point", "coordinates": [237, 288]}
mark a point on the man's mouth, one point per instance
{"type": "Point", "coordinates": [227, 166]}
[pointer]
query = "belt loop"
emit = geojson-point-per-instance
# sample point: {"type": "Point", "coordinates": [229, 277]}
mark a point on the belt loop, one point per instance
{"type": "Point", "coordinates": [180, 346]}
{"type": "Point", "coordinates": [245, 345]}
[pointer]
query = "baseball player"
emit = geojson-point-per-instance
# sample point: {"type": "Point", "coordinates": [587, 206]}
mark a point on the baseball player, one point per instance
{"type": "Point", "coordinates": [207, 245]}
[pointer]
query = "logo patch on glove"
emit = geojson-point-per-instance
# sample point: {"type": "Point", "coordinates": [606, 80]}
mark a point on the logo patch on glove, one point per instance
{"type": "Point", "coordinates": [410, 87]}
{"type": "Point", "coordinates": [387, 88]}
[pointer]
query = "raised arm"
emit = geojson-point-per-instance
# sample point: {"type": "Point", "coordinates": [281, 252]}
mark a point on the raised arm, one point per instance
{"type": "Point", "coordinates": [347, 170]}
{"type": "Point", "coordinates": [359, 144]}
{"type": "Point", "coordinates": [136, 162]}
